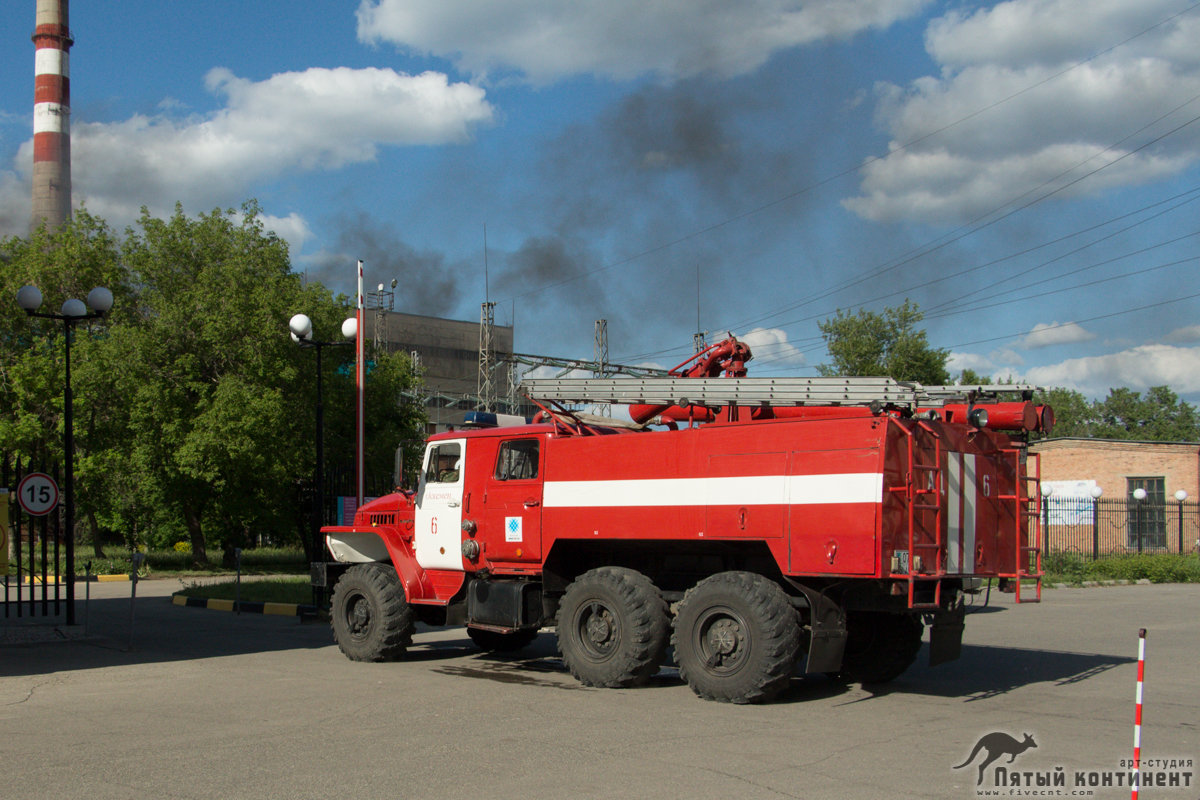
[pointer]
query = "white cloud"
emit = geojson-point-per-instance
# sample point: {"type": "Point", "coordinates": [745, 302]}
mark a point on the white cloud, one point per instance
{"type": "Point", "coordinates": [1138, 368]}
{"type": "Point", "coordinates": [15, 193]}
{"type": "Point", "coordinates": [1056, 127]}
{"type": "Point", "coordinates": [310, 120]}
{"type": "Point", "coordinates": [544, 40]}
{"type": "Point", "coordinates": [976, 362]}
{"type": "Point", "coordinates": [1188, 333]}
{"type": "Point", "coordinates": [998, 365]}
{"type": "Point", "coordinates": [771, 346]}
{"type": "Point", "coordinates": [1046, 334]}
{"type": "Point", "coordinates": [293, 229]}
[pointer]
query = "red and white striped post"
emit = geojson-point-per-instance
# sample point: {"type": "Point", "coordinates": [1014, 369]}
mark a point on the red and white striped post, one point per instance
{"type": "Point", "coordinates": [360, 379]}
{"type": "Point", "coordinates": [1137, 718]}
{"type": "Point", "coordinates": [51, 116]}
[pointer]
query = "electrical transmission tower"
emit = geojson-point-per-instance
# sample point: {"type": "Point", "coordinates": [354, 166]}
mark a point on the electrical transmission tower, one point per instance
{"type": "Point", "coordinates": [381, 301]}
{"type": "Point", "coordinates": [487, 356]}
{"type": "Point", "coordinates": [600, 356]}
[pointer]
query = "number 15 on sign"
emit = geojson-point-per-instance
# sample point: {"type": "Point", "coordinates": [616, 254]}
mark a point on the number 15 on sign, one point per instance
{"type": "Point", "coordinates": [37, 494]}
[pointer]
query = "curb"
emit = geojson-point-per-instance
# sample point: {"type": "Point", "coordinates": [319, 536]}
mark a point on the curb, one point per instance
{"type": "Point", "coordinates": [1095, 584]}
{"type": "Point", "coordinates": [245, 606]}
{"type": "Point", "coordinates": [52, 580]}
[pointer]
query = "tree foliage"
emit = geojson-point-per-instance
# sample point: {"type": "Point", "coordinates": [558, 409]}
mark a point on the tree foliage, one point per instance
{"type": "Point", "coordinates": [1158, 416]}
{"type": "Point", "coordinates": [868, 343]}
{"type": "Point", "coordinates": [194, 410]}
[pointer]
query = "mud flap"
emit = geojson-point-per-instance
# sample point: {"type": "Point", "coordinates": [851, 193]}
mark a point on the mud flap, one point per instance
{"type": "Point", "coordinates": [828, 632]}
{"type": "Point", "coordinates": [945, 633]}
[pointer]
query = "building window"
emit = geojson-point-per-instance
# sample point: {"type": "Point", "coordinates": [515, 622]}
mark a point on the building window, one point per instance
{"type": "Point", "coordinates": [1147, 518]}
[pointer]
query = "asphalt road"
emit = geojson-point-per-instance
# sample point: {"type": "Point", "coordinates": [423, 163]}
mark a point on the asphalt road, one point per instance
{"type": "Point", "coordinates": [210, 704]}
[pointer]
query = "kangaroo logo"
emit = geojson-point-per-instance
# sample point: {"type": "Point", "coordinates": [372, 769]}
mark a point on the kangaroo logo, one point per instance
{"type": "Point", "coordinates": [998, 744]}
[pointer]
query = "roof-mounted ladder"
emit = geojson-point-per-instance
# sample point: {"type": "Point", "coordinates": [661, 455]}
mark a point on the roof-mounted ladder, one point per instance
{"type": "Point", "coordinates": [716, 392]}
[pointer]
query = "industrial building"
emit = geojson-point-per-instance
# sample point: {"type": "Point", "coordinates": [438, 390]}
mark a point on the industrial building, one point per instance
{"type": "Point", "coordinates": [447, 353]}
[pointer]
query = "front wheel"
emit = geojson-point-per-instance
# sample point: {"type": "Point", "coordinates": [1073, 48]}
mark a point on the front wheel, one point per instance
{"type": "Point", "coordinates": [736, 638]}
{"type": "Point", "coordinates": [370, 616]}
{"type": "Point", "coordinates": [613, 626]}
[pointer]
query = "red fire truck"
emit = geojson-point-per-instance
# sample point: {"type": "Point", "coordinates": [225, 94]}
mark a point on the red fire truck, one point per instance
{"type": "Point", "coordinates": [757, 527]}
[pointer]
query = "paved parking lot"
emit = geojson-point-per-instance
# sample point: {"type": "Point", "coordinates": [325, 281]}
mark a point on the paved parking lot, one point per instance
{"type": "Point", "coordinates": [210, 704]}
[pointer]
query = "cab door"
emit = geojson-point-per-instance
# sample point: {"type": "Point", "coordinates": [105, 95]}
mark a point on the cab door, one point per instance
{"type": "Point", "coordinates": [438, 534]}
{"type": "Point", "coordinates": [511, 523]}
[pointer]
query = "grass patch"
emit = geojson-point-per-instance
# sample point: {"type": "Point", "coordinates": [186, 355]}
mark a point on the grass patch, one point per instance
{"type": "Point", "coordinates": [294, 589]}
{"type": "Point", "coordinates": [259, 561]}
{"type": "Point", "coordinates": [1073, 568]}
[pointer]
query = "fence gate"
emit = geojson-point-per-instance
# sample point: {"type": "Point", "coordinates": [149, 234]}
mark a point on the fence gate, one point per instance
{"type": "Point", "coordinates": [38, 572]}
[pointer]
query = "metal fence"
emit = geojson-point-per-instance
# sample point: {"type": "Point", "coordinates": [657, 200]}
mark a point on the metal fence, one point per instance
{"type": "Point", "coordinates": [1099, 528]}
{"type": "Point", "coordinates": [33, 548]}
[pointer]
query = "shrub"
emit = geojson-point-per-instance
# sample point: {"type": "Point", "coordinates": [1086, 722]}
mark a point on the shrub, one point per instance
{"type": "Point", "coordinates": [1157, 567]}
{"type": "Point", "coordinates": [1064, 567]}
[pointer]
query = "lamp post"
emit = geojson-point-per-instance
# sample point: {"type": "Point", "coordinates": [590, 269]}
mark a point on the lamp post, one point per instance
{"type": "Point", "coordinates": [1180, 497]}
{"type": "Point", "coordinates": [301, 331]}
{"type": "Point", "coordinates": [1097, 492]}
{"type": "Point", "coordinates": [1139, 496]}
{"type": "Point", "coordinates": [1046, 492]}
{"type": "Point", "coordinates": [99, 300]}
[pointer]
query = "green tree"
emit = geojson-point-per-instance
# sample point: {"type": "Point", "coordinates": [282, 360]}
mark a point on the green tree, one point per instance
{"type": "Point", "coordinates": [194, 409]}
{"type": "Point", "coordinates": [1160, 416]}
{"type": "Point", "coordinates": [969, 377]}
{"type": "Point", "coordinates": [68, 262]}
{"type": "Point", "coordinates": [1074, 415]}
{"type": "Point", "coordinates": [869, 343]}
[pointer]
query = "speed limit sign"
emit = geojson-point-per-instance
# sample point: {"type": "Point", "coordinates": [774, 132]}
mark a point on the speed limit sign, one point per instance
{"type": "Point", "coordinates": [37, 493]}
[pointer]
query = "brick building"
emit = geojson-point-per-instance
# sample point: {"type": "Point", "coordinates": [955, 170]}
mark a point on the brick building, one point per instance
{"type": "Point", "coordinates": [1075, 470]}
{"type": "Point", "coordinates": [1119, 467]}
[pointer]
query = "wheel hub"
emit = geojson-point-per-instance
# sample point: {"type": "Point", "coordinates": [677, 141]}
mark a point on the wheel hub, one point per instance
{"type": "Point", "coordinates": [724, 637]}
{"type": "Point", "coordinates": [359, 616]}
{"type": "Point", "coordinates": [599, 626]}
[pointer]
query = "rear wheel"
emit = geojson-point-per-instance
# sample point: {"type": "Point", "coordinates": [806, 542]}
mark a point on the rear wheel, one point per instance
{"type": "Point", "coordinates": [879, 646]}
{"type": "Point", "coordinates": [370, 617]}
{"type": "Point", "coordinates": [613, 627]}
{"type": "Point", "coordinates": [736, 638]}
{"type": "Point", "coordinates": [494, 641]}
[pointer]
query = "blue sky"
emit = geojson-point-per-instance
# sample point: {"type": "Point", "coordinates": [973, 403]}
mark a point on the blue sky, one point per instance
{"type": "Point", "coordinates": [1026, 171]}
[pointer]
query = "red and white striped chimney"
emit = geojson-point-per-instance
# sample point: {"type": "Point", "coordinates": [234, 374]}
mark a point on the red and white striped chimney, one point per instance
{"type": "Point", "coordinates": [51, 116]}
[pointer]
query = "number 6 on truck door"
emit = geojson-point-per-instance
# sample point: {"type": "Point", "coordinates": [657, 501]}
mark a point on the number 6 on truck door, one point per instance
{"type": "Point", "coordinates": [438, 521]}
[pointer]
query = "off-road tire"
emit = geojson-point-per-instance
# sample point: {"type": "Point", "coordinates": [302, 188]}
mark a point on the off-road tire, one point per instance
{"type": "Point", "coordinates": [879, 646]}
{"type": "Point", "coordinates": [370, 617]}
{"type": "Point", "coordinates": [613, 628]}
{"type": "Point", "coordinates": [736, 638]}
{"type": "Point", "coordinates": [496, 642]}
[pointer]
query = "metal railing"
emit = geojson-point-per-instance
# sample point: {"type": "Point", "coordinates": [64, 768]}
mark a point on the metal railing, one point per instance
{"type": "Point", "coordinates": [1104, 527]}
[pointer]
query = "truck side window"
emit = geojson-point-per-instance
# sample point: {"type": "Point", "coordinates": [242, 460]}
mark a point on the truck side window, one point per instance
{"type": "Point", "coordinates": [518, 460]}
{"type": "Point", "coordinates": [445, 461]}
